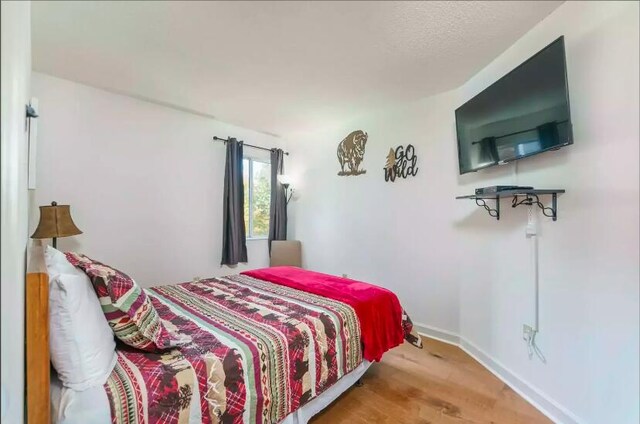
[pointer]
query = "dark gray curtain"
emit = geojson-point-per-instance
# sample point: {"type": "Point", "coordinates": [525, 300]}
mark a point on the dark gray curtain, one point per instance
{"type": "Point", "coordinates": [278, 210]}
{"type": "Point", "coordinates": [234, 243]}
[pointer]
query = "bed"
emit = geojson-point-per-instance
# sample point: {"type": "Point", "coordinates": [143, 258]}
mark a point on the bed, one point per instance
{"type": "Point", "coordinates": [259, 347]}
{"type": "Point", "coordinates": [92, 405]}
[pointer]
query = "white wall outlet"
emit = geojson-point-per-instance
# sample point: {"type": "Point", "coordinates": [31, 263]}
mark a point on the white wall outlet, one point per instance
{"type": "Point", "coordinates": [527, 332]}
{"type": "Point", "coordinates": [532, 229]}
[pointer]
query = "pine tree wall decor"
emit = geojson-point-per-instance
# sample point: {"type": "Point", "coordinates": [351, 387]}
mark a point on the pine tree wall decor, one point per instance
{"type": "Point", "coordinates": [401, 162]}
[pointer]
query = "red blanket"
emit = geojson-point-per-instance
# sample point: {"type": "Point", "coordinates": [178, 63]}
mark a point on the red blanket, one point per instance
{"type": "Point", "coordinates": [378, 309]}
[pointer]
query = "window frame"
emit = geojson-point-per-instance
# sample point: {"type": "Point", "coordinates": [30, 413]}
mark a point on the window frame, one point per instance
{"type": "Point", "coordinates": [249, 231]}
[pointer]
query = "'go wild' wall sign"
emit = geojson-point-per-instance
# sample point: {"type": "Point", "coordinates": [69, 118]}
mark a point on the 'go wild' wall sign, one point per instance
{"type": "Point", "coordinates": [401, 163]}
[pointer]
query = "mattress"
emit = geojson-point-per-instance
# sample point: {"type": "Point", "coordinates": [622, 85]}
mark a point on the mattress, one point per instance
{"type": "Point", "coordinates": [92, 405]}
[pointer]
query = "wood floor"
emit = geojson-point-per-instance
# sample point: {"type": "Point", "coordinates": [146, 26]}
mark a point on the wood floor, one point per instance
{"type": "Point", "coordinates": [438, 384]}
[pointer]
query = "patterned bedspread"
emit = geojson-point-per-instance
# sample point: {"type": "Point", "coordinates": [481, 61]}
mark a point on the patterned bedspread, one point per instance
{"type": "Point", "coordinates": [259, 351]}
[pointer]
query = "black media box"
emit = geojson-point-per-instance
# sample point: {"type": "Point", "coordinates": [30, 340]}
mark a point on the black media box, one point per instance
{"type": "Point", "coordinates": [499, 188]}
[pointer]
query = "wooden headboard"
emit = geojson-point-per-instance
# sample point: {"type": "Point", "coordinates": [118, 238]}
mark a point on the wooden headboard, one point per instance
{"type": "Point", "coordinates": [37, 337]}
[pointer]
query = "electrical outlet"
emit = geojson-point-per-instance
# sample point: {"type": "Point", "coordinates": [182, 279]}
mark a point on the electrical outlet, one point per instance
{"type": "Point", "coordinates": [527, 332]}
{"type": "Point", "coordinates": [345, 276]}
{"type": "Point", "coordinates": [532, 229]}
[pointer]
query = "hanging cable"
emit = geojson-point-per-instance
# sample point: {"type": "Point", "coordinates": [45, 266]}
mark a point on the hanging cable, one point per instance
{"type": "Point", "coordinates": [530, 336]}
{"type": "Point", "coordinates": [533, 199]}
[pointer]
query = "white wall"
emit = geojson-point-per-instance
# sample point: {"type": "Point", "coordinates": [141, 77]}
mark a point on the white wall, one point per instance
{"type": "Point", "coordinates": [399, 235]}
{"type": "Point", "coordinates": [589, 258]}
{"type": "Point", "coordinates": [16, 72]}
{"type": "Point", "coordinates": [144, 181]}
{"type": "Point", "coordinates": [458, 270]}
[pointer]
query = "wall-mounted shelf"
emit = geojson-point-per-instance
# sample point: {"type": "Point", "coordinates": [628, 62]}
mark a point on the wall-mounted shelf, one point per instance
{"type": "Point", "coordinates": [518, 197]}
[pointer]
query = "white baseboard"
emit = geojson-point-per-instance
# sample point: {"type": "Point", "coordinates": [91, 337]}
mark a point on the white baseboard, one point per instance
{"type": "Point", "coordinates": [541, 401]}
{"type": "Point", "coordinates": [552, 409]}
{"type": "Point", "coordinates": [437, 333]}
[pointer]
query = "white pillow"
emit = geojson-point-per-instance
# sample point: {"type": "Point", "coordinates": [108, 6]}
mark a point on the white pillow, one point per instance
{"type": "Point", "coordinates": [81, 341]}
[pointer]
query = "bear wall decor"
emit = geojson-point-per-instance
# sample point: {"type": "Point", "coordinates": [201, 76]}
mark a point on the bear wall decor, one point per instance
{"type": "Point", "coordinates": [351, 153]}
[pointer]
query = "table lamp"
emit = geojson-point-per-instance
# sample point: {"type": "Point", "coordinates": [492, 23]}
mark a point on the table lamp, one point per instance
{"type": "Point", "coordinates": [55, 221]}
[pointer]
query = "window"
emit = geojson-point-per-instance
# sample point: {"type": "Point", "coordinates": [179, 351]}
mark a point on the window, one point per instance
{"type": "Point", "coordinates": [257, 197]}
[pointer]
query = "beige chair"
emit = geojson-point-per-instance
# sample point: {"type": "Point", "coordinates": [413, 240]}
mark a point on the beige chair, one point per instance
{"type": "Point", "coordinates": [286, 252]}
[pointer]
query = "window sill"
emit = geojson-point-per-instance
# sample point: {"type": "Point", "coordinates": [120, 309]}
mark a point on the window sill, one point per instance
{"type": "Point", "coordinates": [256, 238]}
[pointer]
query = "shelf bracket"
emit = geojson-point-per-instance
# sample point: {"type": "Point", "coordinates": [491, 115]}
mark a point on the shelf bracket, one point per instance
{"type": "Point", "coordinates": [520, 196]}
{"type": "Point", "coordinates": [533, 199]}
{"type": "Point", "coordinates": [495, 213]}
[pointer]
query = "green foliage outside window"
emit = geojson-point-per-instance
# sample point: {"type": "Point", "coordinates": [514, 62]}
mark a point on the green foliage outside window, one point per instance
{"type": "Point", "coordinates": [261, 199]}
{"type": "Point", "coordinates": [257, 197]}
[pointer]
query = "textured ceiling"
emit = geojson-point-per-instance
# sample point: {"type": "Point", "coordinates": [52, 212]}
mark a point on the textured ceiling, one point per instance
{"type": "Point", "coordinates": [277, 67]}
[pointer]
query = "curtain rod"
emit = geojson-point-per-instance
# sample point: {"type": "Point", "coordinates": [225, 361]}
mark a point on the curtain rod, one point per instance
{"type": "Point", "coordinates": [225, 140]}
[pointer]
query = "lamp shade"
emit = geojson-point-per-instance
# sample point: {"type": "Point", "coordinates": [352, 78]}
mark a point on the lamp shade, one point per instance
{"type": "Point", "coordinates": [284, 179]}
{"type": "Point", "coordinates": [55, 221]}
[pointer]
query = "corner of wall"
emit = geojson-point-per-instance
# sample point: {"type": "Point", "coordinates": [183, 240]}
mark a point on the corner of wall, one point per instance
{"type": "Point", "coordinates": [556, 412]}
{"type": "Point", "coordinates": [15, 75]}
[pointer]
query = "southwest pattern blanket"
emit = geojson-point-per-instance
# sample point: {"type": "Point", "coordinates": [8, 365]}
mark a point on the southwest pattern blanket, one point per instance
{"type": "Point", "coordinates": [259, 351]}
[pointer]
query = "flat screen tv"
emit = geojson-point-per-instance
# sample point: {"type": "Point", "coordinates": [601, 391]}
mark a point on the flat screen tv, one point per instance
{"type": "Point", "coordinates": [524, 113]}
